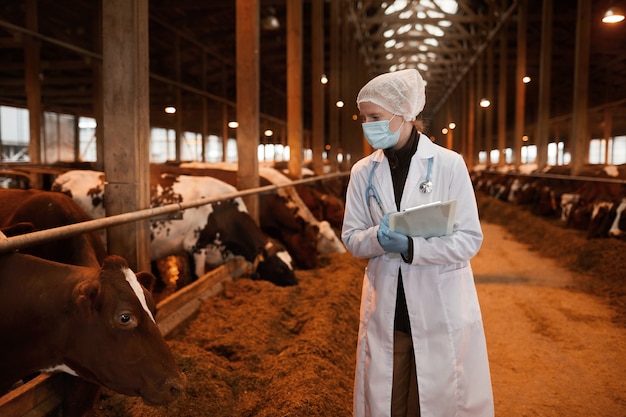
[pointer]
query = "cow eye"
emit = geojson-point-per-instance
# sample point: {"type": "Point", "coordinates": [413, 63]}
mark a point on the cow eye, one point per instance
{"type": "Point", "coordinates": [127, 320]}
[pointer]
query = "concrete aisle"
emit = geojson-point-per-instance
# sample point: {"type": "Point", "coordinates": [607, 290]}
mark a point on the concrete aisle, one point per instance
{"type": "Point", "coordinates": [553, 351]}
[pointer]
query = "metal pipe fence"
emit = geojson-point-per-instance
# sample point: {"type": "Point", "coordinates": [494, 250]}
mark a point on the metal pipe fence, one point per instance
{"type": "Point", "coordinates": [42, 236]}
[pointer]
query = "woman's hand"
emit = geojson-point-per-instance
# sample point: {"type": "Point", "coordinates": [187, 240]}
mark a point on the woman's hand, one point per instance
{"type": "Point", "coordinates": [392, 241]}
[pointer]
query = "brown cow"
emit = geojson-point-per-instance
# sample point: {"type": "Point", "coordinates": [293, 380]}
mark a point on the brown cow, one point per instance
{"type": "Point", "coordinates": [94, 323]}
{"type": "Point", "coordinates": [45, 210]}
{"type": "Point", "coordinates": [26, 211]}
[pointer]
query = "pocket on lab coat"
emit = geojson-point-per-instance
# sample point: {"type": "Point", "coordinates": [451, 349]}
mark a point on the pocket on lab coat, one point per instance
{"type": "Point", "coordinates": [459, 297]}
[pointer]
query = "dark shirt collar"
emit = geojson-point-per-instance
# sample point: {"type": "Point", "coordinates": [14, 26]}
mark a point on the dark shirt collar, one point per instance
{"type": "Point", "coordinates": [403, 155]}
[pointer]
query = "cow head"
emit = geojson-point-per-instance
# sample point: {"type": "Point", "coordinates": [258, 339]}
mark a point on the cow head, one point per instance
{"type": "Point", "coordinates": [331, 208]}
{"type": "Point", "coordinates": [115, 341]}
{"type": "Point", "coordinates": [274, 264]}
{"type": "Point", "coordinates": [280, 220]}
{"type": "Point", "coordinates": [232, 229]}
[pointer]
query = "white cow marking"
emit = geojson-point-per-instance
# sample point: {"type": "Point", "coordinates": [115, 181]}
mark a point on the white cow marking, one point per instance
{"type": "Point", "coordinates": [136, 286]}
{"type": "Point", "coordinates": [615, 230]}
{"type": "Point", "coordinates": [284, 256]}
{"type": "Point", "coordinates": [60, 368]}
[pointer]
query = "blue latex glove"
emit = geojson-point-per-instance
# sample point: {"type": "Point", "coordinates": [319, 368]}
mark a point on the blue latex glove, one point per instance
{"type": "Point", "coordinates": [392, 241]}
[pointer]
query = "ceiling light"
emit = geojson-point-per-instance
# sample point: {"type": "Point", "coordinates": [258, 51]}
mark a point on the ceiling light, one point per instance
{"type": "Point", "coordinates": [484, 103]}
{"type": "Point", "coordinates": [613, 15]}
{"type": "Point", "coordinates": [270, 22]}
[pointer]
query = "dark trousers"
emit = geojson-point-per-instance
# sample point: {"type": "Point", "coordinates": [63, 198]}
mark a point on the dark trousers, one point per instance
{"type": "Point", "coordinates": [404, 393]}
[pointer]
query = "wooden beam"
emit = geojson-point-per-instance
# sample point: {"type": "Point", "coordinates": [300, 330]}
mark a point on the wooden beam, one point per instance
{"type": "Point", "coordinates": [318, 131]}
{"type": "Point", "coordinates": [294, 87]}
{"type": "Point", "coordinates": [502, 96]}
{"type": "Point", "coordinates": [126, 124]}
{"type": "Point", "coordinates": [33, 87]}
{"type": "Point", "coordinates": [580, 135]}
{"type": "Point", "coordinates": [520, 87]}
{"type": "Point", "coordinates": [543, 116]}
{"type": "Point", "coordinates": [248, 12]}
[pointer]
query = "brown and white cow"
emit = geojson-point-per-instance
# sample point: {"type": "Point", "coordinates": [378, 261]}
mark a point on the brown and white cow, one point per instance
{"type": "Point", "coordinates": [192, 233]}
{"type": "Point", "coordinates": [24, 211]}
{"type": "Point", "coordinates": [325, 239]}
{"type": "Point", "coordinates": [94, 323]}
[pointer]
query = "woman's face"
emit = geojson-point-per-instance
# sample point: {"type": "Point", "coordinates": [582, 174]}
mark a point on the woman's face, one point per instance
{"type": "Point", "coordinates": [371, 112]}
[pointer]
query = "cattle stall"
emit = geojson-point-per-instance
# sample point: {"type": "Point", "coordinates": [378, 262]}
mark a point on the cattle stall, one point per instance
{"type": "Point", "coordinates": [44, 393]}
{"type": "Point", "coordinates": [592, 201]}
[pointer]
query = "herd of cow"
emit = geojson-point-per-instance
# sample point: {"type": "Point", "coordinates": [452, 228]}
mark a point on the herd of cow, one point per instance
{"type": "Point", "coordinates": [69, 306]}
{"type": "Point", "coordinates": [592, 201]}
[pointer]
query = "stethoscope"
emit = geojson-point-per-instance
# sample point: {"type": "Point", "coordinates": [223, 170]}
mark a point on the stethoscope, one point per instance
{"type": "Point", "coordinates": [426, 186]}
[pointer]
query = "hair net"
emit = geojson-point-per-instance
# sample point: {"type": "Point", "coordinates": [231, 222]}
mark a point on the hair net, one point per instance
{"type": "Point", "coordinates": [400, 92]}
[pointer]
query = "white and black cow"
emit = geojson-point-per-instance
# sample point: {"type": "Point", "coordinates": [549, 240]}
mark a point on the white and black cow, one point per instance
{"type": "Point", "coordinates": [94, 323]}
{"type": "Point", "coordinates": [194, 232]}
{"type": "Point", "coordinates": [327, 240]}
{"type": "Point", "coordinates": [618, 226]}
{"type": "Point", "coordinates": [14, 180]}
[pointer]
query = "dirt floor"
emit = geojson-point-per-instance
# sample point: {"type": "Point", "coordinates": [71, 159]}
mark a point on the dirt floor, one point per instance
{"type": "Point", "coordinates": [553, 304]}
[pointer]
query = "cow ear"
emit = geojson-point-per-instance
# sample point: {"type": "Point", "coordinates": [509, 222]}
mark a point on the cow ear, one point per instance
{"type": "Point", "coordinates": [86, 295]}
{"type": "Point", "coordinates": [114, 262]}
{"type": "Point", "coordinates": [147, 280]}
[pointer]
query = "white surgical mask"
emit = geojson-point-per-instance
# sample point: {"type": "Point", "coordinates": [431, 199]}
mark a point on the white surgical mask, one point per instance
{"type": "Point", "coordinates": [378, 134]}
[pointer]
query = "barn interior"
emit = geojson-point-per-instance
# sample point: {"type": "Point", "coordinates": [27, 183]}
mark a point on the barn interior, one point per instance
{"type": "Point", "coordinates": [465, 50]}
{"type": "Point", "coordinates": [122, 86]}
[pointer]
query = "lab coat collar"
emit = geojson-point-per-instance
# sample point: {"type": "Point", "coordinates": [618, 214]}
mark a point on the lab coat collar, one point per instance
{"type": "Point", "coordinates": [425, 148]}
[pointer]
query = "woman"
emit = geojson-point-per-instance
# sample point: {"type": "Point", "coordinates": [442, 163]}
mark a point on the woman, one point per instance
{"type": "Point", "coordinates": [421, 344]}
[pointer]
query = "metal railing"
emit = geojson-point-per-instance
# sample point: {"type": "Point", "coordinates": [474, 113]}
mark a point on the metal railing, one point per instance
{"type": "Point", "coordinates": [42, 236]}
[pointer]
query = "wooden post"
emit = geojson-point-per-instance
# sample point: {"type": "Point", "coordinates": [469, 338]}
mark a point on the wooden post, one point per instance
{"type": "Point", "coordinates": [489, 145]}
{"type": "Point", "coordinates": [545, 67]}
{"type": "Point", "coordinates": [248, 100]}
{"type": "Point", "coordinates": [520, 89]}
{"type": "Point", "coordinates": [608, 131]}
{"type": "Point", "coordinates": [205, 110]}
{"type": "Point", "coordinates": [580, 127]}
{"type": "Point", "coordinates": [502, 97]}
{"type": "Point", "coordinates": [32, 47]}
{"type": "Point", "coordinates": [334, 84]}
{"type": "Point", "coordinates": [179, 100]}
{"type": "Point", "coordinates": [126, 120]}
{"type": "Point", "coordinates": [96, 66]}
{"type": "Point", "coordinates": [470, 157]}
{"type": "Point", "coordinates": [317, 88]}
{"type": "Point", "coordinates": [294, 87]}
{"type": "Point", "coordinates": [480, 112]}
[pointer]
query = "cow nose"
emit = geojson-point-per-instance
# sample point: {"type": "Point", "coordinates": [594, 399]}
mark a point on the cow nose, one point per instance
{"type": "Point", "coordinates": [175, 386]}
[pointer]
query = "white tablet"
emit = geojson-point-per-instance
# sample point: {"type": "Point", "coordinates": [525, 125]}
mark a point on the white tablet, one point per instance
{"type": "Point", "coordinates": [427, 220]}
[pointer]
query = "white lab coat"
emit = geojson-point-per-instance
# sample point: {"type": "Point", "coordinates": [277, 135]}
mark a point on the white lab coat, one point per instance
{"type": "Point", "coordinates": [446, 324]}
